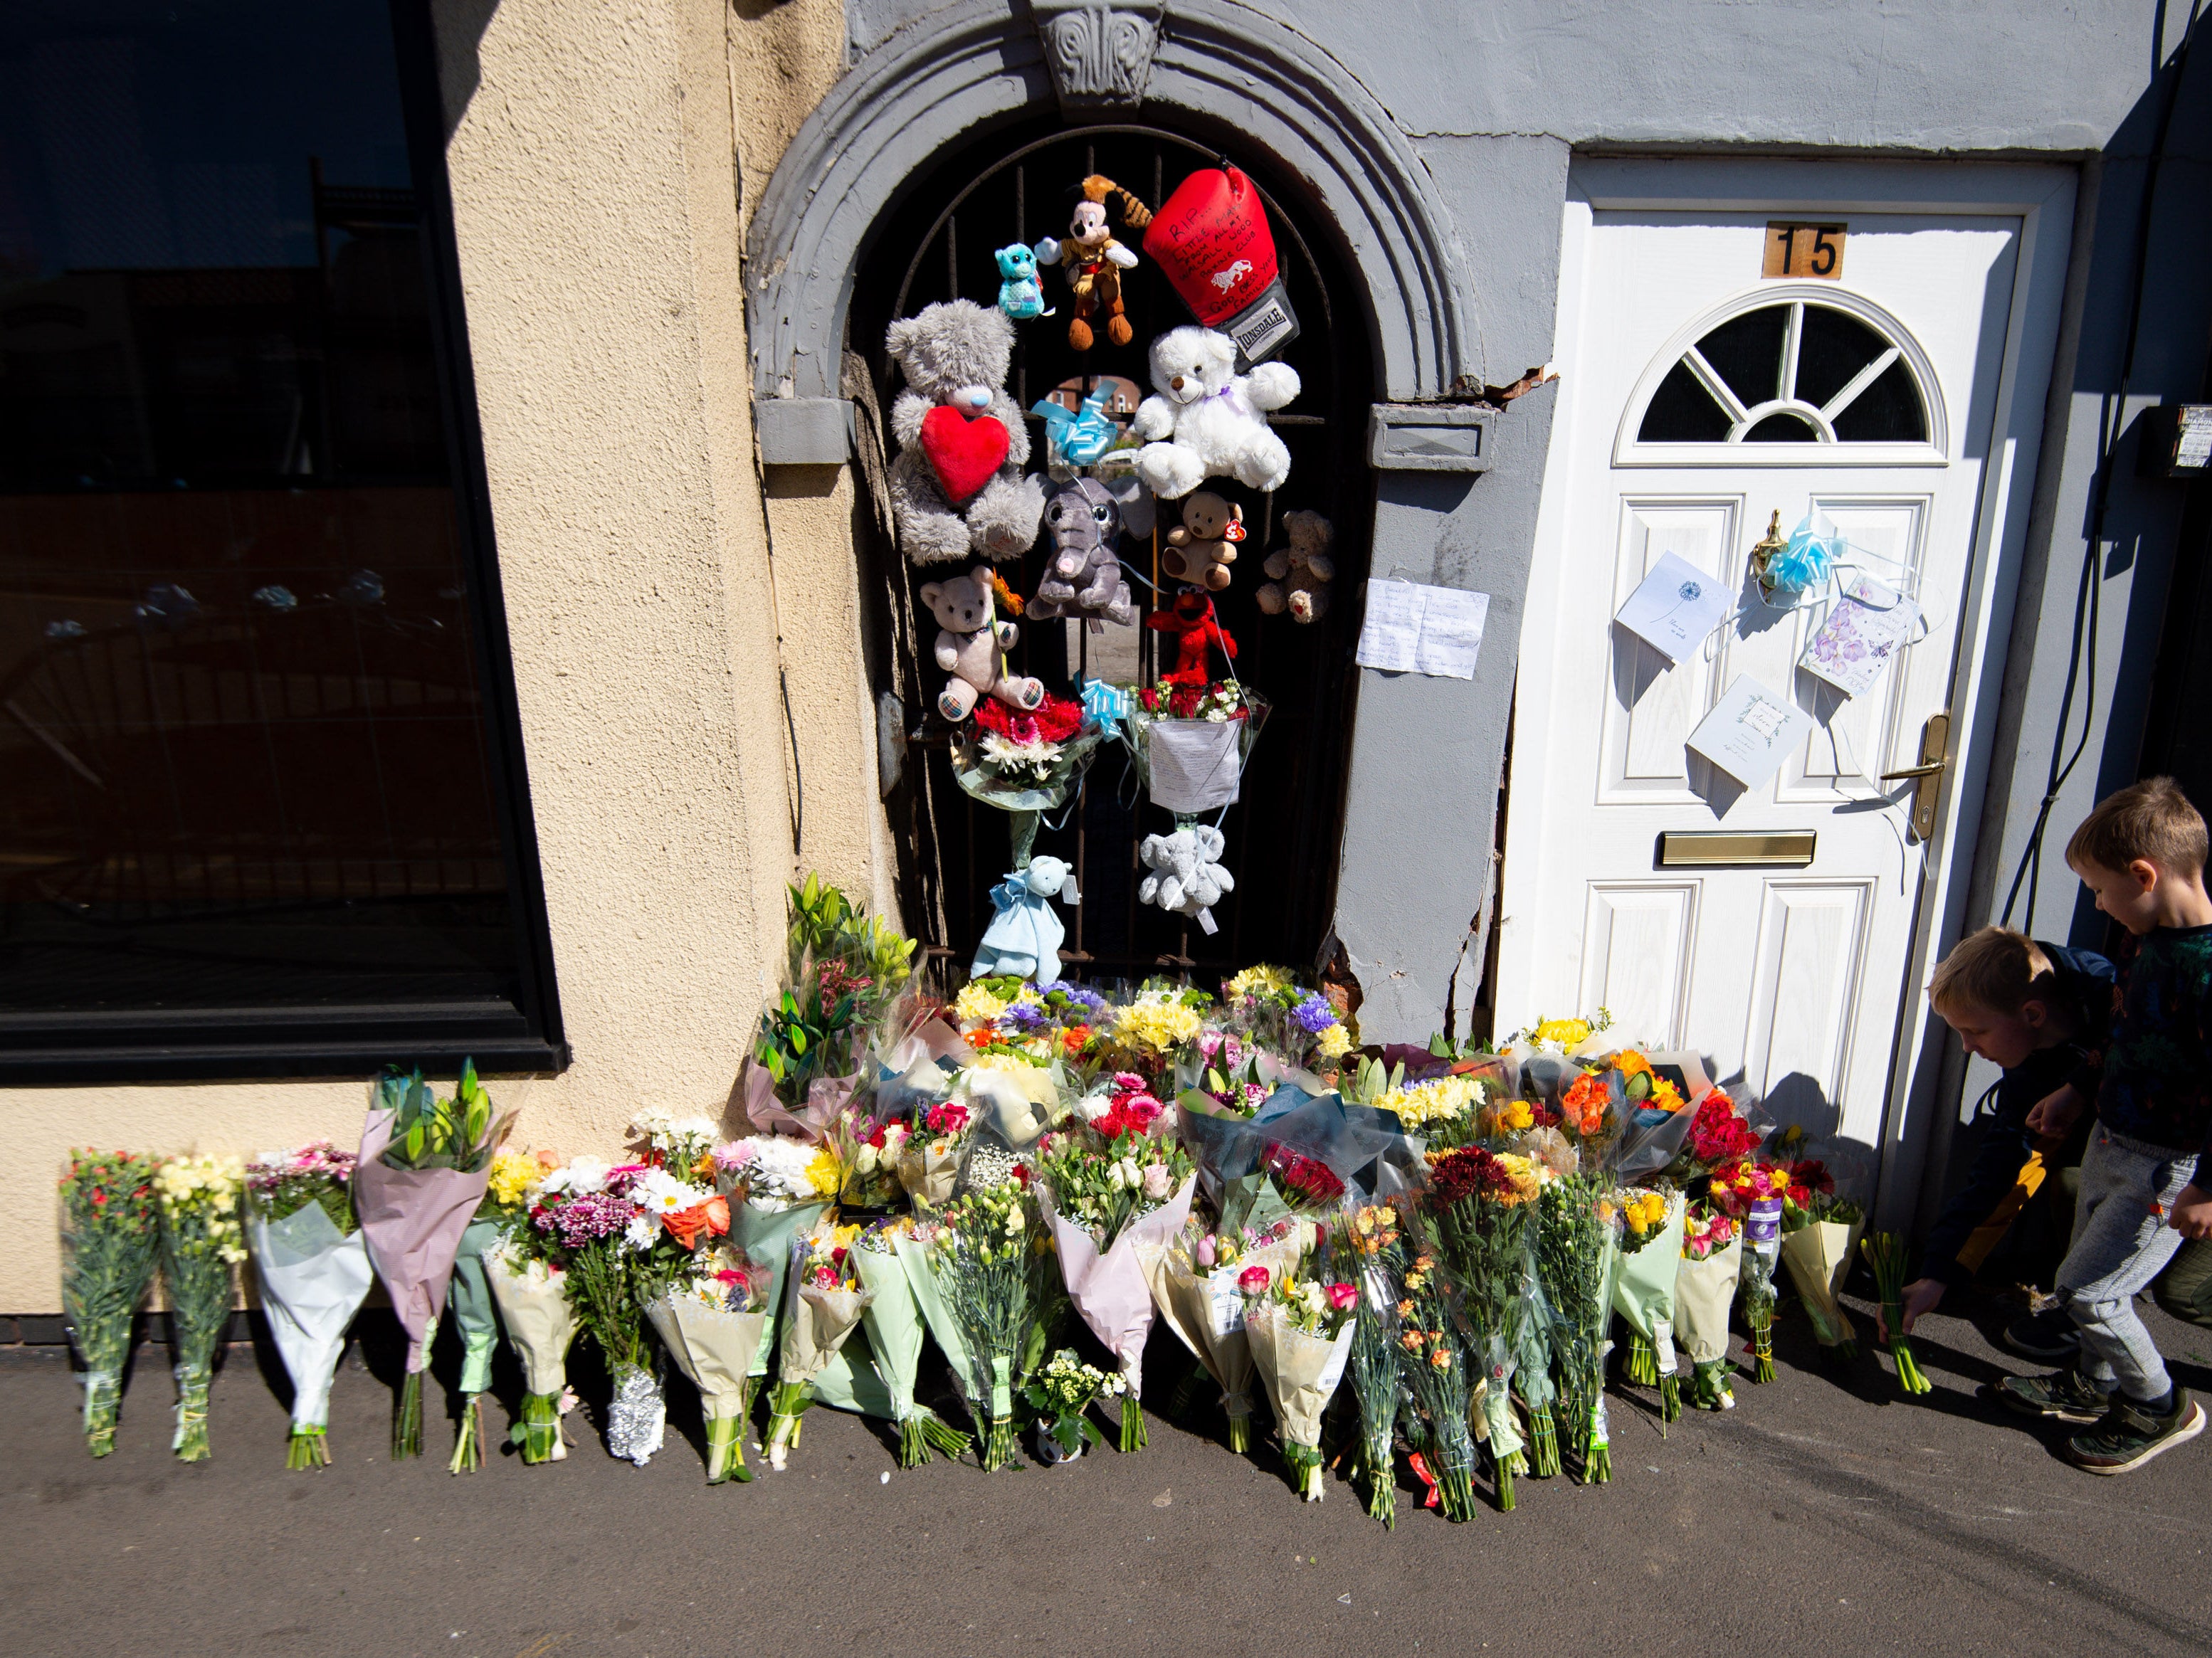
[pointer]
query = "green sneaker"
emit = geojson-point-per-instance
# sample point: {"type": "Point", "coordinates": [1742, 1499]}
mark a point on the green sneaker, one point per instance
{"type": "Point", "coordinates": [2064, 1397]}
{"type": "Point", "coordinates": [2129, 1436]}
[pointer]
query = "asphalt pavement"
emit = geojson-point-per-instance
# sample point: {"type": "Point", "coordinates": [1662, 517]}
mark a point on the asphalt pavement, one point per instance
{"type": "Point", "coordinates": [1824, 1515]}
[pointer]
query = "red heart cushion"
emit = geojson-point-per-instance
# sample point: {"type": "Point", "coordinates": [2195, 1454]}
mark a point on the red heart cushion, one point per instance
{"type": "Point", "coordinates": [963, 452]}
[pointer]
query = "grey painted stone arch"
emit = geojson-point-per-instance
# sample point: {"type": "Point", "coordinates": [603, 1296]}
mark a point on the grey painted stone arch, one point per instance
{"type": "Point", "coordinates": [945, 73]}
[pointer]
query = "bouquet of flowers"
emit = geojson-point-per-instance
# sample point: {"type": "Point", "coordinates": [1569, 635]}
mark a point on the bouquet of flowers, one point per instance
{"type": "Point", "coordinates": [111, 1240]}
{"type": "Point", "coordinates": [1483, 1208]}
{"type": "Point", "coordinates": [1266, 1008]}
{"type": "Point", "coordinates": [593, 1215]}
{"type": "Point", "coordinates": [526, 1269]}
{"type": "Point", "coordinates": [1885, 1253]}
{"type": "Point", "coordinates": [1024, 763]}
{"type": "Point", "coordinates": [1576, 1253]}
{"type": "Point", "coordinates": [1110, 1194]}
{"type": "Point", "coordinates": [778, 1187]}
{"type": "Point", "coordinates": [1368, 1237]}
{"type": "Point", "coordinates": [1532, 1379]}
{"type": "Point", "coordinates": [1718, 1135]}
{"type": "Point", "coordinates": [201, 1241]}
{"type": "Point", "coordinates": [1194, 1281]}
{"type": "Point", "coordinates": [825, 1311]}
{"type": "Point", "coordinates": [505, 1209]}
{"type": "Point", "coordinates": [1059, 1393]}
{"type": "Point", "coordinates": [1821, 1232]}
{"type": "Point", "coordinates": [1149, 1033]}
{"type": "Point", "coordinates": [423, 1165]}
{"type": "Point", "coordinates": [1301, 1324]}
{"type": "Point", "coordinates": [1643, 1291]}
{"type": "Point", "coordinates": [1444, 1109]}
{"type": "Point", "coordinates": [313, 1262]}
{"type": "Point", "coordinates": [894, 1322]}
{"type": "Point", "coordinates": [843, 971]}
{"type": "Point", "coordinates": [709, 1319]}
{"type": "Point", "coordinates": [981, 1254]}
{"type": "Point", "coordinates": [929, 1157]}
{"type": "Point", "coordinates": [1705, 1288]}
{"type": "Point", "coordinates": [1752, 1194]}
{"type": "Point", "coordinates": [1434, 1366]}
{"type": "Point", "coordinates": [1222, 702]}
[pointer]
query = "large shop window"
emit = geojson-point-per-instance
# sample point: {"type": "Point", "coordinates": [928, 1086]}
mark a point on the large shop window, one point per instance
{"type": "Point", "coordinates": [263, 810]}
{"type": "Point", "coordinates": [1285, 832]}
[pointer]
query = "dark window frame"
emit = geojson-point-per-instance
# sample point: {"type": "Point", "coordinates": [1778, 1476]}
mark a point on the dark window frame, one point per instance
{"type": "Point", "coordinates": [344, 1040]}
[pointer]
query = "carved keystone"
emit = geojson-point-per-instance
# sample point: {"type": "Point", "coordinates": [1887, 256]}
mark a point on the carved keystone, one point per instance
{"type": "Point", "coordinates": [1098, 53]}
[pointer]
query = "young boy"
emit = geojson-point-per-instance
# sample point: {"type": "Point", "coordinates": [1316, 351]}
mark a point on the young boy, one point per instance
{"type": "Point", "coordinates": [2142, 852]}
{"type": "Point", "coordinates": [2039, 1013]}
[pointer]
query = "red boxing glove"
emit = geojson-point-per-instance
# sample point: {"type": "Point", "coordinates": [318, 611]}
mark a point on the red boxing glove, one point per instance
{"type": "Point", "coordinates": [1211, 241]}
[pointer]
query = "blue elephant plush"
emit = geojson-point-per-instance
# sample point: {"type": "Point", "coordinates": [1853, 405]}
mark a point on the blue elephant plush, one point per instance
{"type": "Point", "coordinates": [1020, 294]}
{"type": "Point", "coordinates": [1024, 934]}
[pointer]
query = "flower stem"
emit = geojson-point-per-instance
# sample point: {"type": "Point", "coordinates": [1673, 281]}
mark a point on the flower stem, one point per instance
{"type": "Point", "coordinates": [998, 1444]}
{"type": "Point", "coordinates": [307, 1448]}
{"type": "Point", "coordinates": [1375, 1457]}
{"type": "Point", "coordinates": [1762, 1343]}
{"type": "Point", "coordinates": [103, 1396]}
{"type": "Point", "coordinates": [1133, 1424]}
{"type": "Point", "coordinates": [1305, 1469]}
{"type": "Point", "coordinates": [725, 1449]}
{"type": "Point", "coordinates": [191, 1441]}
{"type": "Point", "coordinates": [1641, 1362]}
{"type": "Point", "coordinates": [1240, 1432]}
{"type": "Point", "coordinates": [1502, 1473]}
{"type": "Point", "coordinates": [539, 1432]}
{"type": "Point", "coordinates": [468, 1444]}
{"type": "Point", "coordinates": [1670, 1397]}
{"type": "Point", "coordinates": [947, 1440]}
{"type": "Point", "coordinates": [407, 1418]}
{"type": "Point", "coordinates": [1543, 1441]}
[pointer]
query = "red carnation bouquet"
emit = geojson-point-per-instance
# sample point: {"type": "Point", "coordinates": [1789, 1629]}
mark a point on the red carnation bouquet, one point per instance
{"type": "Point", "coordinates": [1720, 1133]}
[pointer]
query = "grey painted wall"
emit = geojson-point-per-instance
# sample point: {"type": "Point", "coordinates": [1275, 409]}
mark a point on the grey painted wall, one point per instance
{"type": "Point", "coordinates": [1494, 98]}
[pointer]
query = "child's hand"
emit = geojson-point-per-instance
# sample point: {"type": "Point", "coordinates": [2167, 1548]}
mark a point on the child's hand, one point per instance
{"type": "Point", "coordinates": [2054, 1113]}
{"type": "Point", "coordinates": [1917, 1298]}
{"type": "Point", "coordinates": [2192, 1212]}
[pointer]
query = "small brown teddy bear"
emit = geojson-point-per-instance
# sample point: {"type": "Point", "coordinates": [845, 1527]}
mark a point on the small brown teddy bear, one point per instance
{"type": "Point", "coordinates": [972, 645]}
{"type": "Point", "coordinates": [1304, 569]}
{"type": "Point", "coordinates": [1203, 548]}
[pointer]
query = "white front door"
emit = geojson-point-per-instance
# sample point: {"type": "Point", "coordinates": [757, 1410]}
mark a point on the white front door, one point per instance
{"type": "Point", "coordinates": [1702, 398]}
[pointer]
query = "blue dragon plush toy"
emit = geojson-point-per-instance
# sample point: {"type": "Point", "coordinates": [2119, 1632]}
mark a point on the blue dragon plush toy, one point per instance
{"type": "Point", "coordinates": [1020, 294]}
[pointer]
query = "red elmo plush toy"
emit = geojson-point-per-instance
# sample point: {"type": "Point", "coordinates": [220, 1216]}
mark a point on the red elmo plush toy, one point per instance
{"type": "Point", "coordinates": [1193, 623]}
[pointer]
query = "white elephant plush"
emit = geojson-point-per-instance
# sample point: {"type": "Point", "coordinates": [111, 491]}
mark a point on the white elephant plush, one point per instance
{"type": "Point", "coordinates": [1187, 877]}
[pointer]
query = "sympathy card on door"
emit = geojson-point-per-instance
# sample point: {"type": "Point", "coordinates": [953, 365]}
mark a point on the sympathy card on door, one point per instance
{"type": "Point", "coordinates": [1750, 730]}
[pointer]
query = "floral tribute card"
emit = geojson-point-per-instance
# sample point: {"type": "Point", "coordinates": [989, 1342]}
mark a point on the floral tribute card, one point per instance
{"type": "Point", "coordinates": [1869, 624]}
{"type": "Point", "coordinates": [1675, 607]}
{"type": "Point", "coordinates": [1750, 730]}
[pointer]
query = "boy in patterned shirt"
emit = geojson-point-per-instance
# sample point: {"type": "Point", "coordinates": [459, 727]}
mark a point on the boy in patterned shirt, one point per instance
{"type": "Point", "coordinates": [2141, 851]}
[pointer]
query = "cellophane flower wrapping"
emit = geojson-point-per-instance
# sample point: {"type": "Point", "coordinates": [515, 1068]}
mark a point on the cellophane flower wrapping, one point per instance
{"type": "Point", "coordinates": [541, 1323]}
{"type": "Point", "coordinates": [1532, 1379]}
{"type": "Point", "coordinates": [895, 1328]}
{"type": "Point", "coordinates": [1110, 1290]}
{"type": "Point", "coordinates": [710, 1323]}
{"type": "Point", "coordinates": [779, 1187]}
{"type": "Point", "coordinates": [1644, 1296]}
{"type": "Point", "coordinates": [826, 1304]}
{"type": "Point", "coordinates": [1576, 1250]}
{"type": "Point", "coordinates": [1299, 1371]}
{"type": "Point", "coordinates": [312, 1261]}
{"type": "Point", "coordinates": [1482, 1207]}
{"type": "Point", "coordinates": [1194, 1285]}
{"type": "Point", "coordinates": [1367, 1237]}
{"type": "Point", "coordinates": [1433, 1364]}
{"type": "Point", "coordinates": [982, 1253]}
{"type": "Point", "coordinates": [111, 1243]}
{"type": "Point", "coordinates": [1704, 1290]}
{"type": "Point", "coordinates": [201, 1240]}
{"type": "Point", "coordinates": [1754, 1194]}
{"type": "Point", "coordinates": [413, 1218]}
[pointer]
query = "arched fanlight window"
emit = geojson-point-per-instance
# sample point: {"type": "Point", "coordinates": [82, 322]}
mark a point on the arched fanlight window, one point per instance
{"type": "Point", "coordinates": [1782, 368]}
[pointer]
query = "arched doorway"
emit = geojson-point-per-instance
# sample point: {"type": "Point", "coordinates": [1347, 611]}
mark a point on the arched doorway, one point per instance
{"type": "Point", "coordinates": [937, 242]}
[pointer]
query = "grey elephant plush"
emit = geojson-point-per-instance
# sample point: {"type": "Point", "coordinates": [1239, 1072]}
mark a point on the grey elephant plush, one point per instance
{"type": "Point", "coordinates": [1084, 576]}
{"type": "Point", "coordinates": [956, 487]}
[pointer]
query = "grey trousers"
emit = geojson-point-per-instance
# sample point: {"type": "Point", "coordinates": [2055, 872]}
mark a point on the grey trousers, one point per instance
{"type": "Point", "coordinates": [2121, 1242]}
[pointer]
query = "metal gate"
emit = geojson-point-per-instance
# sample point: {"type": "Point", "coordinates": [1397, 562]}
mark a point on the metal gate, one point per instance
{"type": "Point", "coordinates": [1285, 832]}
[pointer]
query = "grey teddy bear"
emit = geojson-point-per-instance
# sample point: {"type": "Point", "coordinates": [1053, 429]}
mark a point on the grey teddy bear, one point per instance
{"type": "Point", "coordinates": [956, 487]}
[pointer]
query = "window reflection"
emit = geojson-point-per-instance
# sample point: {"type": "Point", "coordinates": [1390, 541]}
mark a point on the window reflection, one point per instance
{"type": "Point", "coordinates": [240, 716]}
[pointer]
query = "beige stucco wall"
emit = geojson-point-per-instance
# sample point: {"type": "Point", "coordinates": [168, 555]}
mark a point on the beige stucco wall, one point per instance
{"type": "Point", "coordinates": [595, 151]}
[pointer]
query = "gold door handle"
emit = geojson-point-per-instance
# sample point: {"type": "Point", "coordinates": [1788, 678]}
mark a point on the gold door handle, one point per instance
{"type": "Point", "coordinates": [1927, 777]}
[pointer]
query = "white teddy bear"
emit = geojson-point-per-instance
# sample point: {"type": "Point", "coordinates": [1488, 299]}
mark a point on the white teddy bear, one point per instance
{"type": "Point", "coordinates": [1187, 879]}
{"type": "Point", "coordinates": [1207, 421]}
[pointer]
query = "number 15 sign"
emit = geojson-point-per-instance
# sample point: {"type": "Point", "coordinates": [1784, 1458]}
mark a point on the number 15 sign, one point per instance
{"type": "Point", "coordinates": [1803, 250]}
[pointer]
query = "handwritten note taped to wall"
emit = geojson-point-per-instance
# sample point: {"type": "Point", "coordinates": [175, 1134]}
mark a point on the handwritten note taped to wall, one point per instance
{"type": "Point", "coordinates": [1412, 628]}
